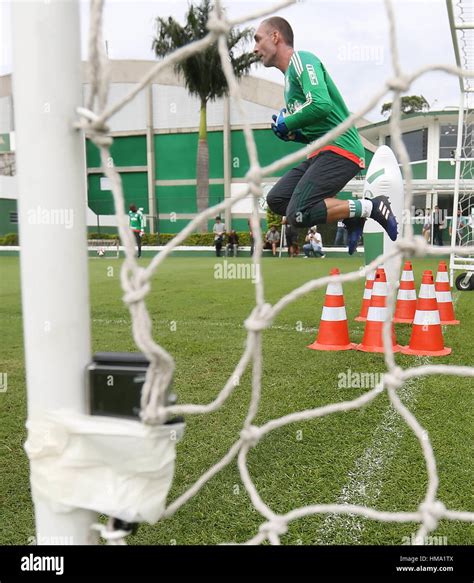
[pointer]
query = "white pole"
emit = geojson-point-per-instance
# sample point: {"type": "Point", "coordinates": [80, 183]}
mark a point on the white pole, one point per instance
{"type": "Point", "coordinates": [150, 163]}
{"type": "Point", "coordinates": [227, 160]}
{"type": "Point", "coordinates": [282, 238]}
{"type": "Point", "coordinates": [52, 221]}
{"type": "Point", "coordinates": [457, 178]}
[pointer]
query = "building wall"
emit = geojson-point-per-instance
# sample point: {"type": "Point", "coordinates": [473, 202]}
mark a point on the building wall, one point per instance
{"type": "Point", "coordinates": [173, 107]}
{"type": "Point", "coordinates": [175, 162]}
{"type": "Point", "coordinates": [175, 159]}
{"type": "Point", "coordinates": [7, 164]}
{"type": "Point", "coordinates": [174, 112]}
{"type": "Point", "coordinates": [434, 167]}
{"type": "Point", "coordinates": [6, 114]}
{"type": "Point", "coordinates": [7, 206]}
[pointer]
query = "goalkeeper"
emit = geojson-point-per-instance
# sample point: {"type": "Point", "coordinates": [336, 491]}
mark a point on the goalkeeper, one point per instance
{"type": "Point", "coordinates": [135, 218]}
{"type": "Point", "coordinates": [305, 194]}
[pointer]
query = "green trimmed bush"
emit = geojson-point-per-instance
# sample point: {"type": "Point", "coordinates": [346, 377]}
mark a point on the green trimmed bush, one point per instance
{"type": "Point", "coordinates": [273, 219]}
{"type": "Point", "coordinates": [194, 240]}
{"type": "Point", "coordinates": [328, 232]}
{"type": "Point", "coordinates": [9, 239]}
{"type": "Point", "coordinates": [102, 235]}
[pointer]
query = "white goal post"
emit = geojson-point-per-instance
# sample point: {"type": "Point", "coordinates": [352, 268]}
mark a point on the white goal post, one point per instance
{"type": "Point", "coordinates": [55, 285]}
{"type": "Point", "coordinates": [462, 230]}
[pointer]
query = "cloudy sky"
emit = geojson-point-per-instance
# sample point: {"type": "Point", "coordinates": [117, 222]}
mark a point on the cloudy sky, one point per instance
{"type": "Point", "coordinates": [349, 36]}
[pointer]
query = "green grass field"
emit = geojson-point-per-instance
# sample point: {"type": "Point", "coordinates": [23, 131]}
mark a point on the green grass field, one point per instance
{"type": "Point", "coordinates": [368, 456]}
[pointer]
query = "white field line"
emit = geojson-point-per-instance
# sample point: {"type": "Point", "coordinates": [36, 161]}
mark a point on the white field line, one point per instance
{"type": "Point", "coordinates": [366, 479]}
{"type": "Point", "coordinates": [199, 323]}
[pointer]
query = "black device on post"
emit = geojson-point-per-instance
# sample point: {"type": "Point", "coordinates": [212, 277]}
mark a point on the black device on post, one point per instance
{"type": "Point", "coordinates": [115, 381]}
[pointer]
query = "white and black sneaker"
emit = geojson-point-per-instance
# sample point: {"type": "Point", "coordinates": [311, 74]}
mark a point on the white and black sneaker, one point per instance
{"type": "Point", "coordinates": [382, 213]}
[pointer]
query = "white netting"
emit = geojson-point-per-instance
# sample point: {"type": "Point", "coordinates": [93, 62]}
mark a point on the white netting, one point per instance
{"type": "Point", "coordinates": [463, 224]}
{"type": "Point", "coordinates": [464, 221]}
{"type": "Point", "coordinates": [136, 284]}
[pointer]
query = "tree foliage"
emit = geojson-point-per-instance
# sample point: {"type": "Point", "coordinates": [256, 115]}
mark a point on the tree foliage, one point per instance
{"type": "Point", "coordinates": [273, 219]}
{"type": "Point", "coordinates": [409, 104]}
{"type": "Point", "coordinates": [202, 73]}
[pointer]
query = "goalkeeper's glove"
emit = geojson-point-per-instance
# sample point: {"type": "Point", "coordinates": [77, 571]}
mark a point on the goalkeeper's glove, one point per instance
{"type": "Point", "coordinates": [279, 126]}
{"type": "Point", "coordinates": [281, 131]}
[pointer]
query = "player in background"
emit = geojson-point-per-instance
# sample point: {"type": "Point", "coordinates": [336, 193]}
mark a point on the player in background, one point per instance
{"type": "Point", "coordinates": [305, 194]}
{"type": "Point", "coordinates": [135, 218]}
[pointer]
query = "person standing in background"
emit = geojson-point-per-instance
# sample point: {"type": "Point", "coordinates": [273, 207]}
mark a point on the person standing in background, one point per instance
{"type": "Point", "coordinates": [439, 224]}
{"type": "Point", "coordinates": [291, 236]}
{"type": "Point", "coordinates": [461, 228]}
{"type": "Point", "coordinates": [252, 241]}
{"type": "Point", "coordinates": [232, 243]}
{"type": "Point", "coordinates": [426, 230]}
{"type": "Point", "coordinates": [341, 235]}
{"type": "Point", "coordinates": [219, 231]}
{"type": "Point", "coordinates": [135, 218]}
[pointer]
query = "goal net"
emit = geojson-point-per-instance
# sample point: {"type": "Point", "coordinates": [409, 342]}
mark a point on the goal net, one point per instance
{"type": "Point", "coordinates": [136, 282]}
{"type": "Point", "coordinates": [461, 17]}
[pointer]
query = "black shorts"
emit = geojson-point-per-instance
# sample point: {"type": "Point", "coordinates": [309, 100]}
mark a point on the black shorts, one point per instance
{"type": "Point", "coordinates": [315, 179]}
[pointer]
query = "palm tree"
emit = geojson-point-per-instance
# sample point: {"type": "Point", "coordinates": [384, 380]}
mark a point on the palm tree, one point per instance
{"type": "Point", "coordinates": [202, 72]}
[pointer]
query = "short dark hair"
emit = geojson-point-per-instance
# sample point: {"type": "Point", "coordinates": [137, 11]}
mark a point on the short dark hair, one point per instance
{"type": "Point", "coordinates": [283, 27]}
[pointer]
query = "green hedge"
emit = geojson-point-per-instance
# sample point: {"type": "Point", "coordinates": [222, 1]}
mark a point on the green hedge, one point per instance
{"type": "Point", "coordinates": [328, 233]}
{"type": "Point", "coordinates": [194, 240]}
{"type": "Point", "coordinates": [102, 235]}
{"type": "Point", "coordinates": [9, 239]}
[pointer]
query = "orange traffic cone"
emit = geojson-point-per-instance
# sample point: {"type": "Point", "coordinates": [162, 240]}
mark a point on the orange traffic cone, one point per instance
{"type": "Point", "coordinates": [377, 314]}
{"type": "Point", "coordinates": [369, 284]}
{"type": "Point", "coordinates": [443, 296]}
{"type": "Point", "coordinates": [426, 336]}
{"type": "Point", "coordinates": [333, 331]}
{"type": "Point", "coordinates": [406, 298]}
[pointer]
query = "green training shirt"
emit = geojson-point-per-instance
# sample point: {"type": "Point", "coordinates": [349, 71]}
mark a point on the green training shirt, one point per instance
{"type": "Point", "coordinates": [314, 104]}
{"type": "Point", "coordinates": [136, 220]}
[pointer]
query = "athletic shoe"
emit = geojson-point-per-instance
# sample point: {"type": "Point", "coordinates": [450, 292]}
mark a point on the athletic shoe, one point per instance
{"type": "Point", "coordinates": [382, 213]}
{"type": "Point", "coordinates": [323, 256]}
{"type": "Point", "coordinates": [354, 227]}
